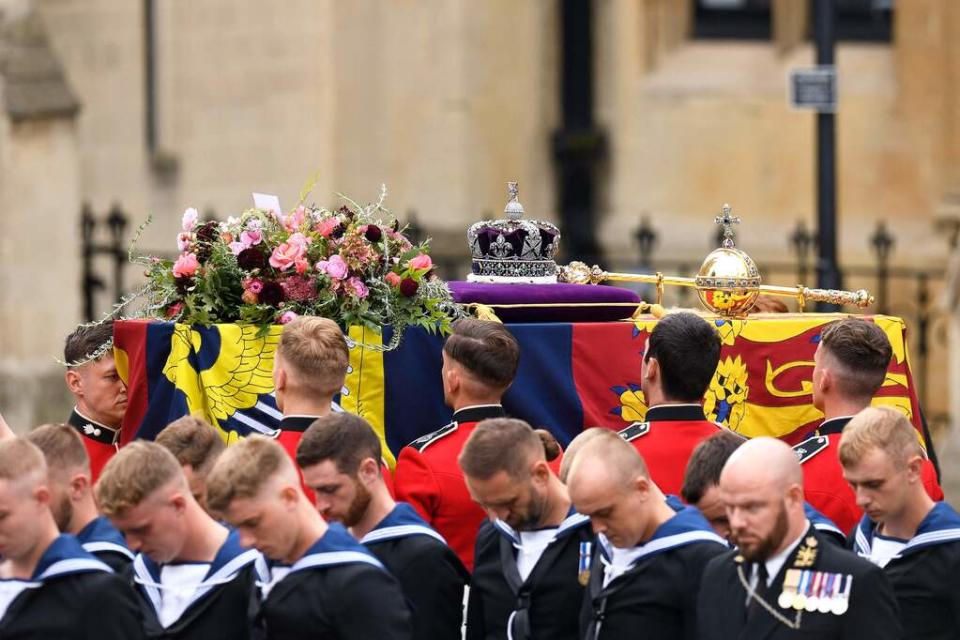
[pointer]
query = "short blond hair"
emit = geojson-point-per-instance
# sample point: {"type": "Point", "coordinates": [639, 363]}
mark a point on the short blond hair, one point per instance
{"type": "Point", "coordinates": [193, 442]}
{"type": "Point", "coordinates": [19, 459]}
{"type": "Point", "coordinates": [243, 469]}
{"type": "Point", "coordinates": [880, 428]}
{"type": "Point", "coordinates": [62, 448]}
{"type": "Point", "coordinates": [316, 350]}
{"type": "Point", "coordinates": [574, 447]}
{"type": "Point", "coordinates": [134, 474]}
{"type": "Point", "coordinates": [623, 462]}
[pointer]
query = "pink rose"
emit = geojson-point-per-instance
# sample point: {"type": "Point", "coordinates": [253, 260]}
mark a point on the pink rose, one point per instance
{"type": "Point", "coordinates": [326, 227]}
{"type": "Point", "coordinates": [301, 266]}
{"type": "Point", "coordinates": [237, 247]}
{"type": "Point", "coordinates": [189, 219]}
{"type": "Point", "coordinates": [335, 267]}
{"type": "Point", "coordinates": [287, 254]}
{"type": "Point", "coordinates": [299, 239]}
{"type": "Point", "coordinates": [392, 279]}
{"type": "Point", "coordinates": [359, 289]}
{"type": "Point", "coordinates": [422, 261]}
{"type": "Point", "coordinates": [287, 317]}
{"type": "Point", "coordinates": [183, 241]}
{"type": "Point", "coordinates": [294, 221]}
{"type": "Point", "coordinates": [186, 265]}
{"type": "Point", "coordinates": [251, 237]}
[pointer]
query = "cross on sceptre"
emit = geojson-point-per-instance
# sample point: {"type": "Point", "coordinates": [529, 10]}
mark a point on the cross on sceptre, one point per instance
{"type": "Point", "coordinates": [727, 221]}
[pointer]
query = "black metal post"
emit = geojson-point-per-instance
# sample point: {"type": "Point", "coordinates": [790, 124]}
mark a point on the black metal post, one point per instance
{"type": "Point", "coordinates": [578, 144]}
{"type": "Point", "coordinates": [149, 75]}
{"type": "Point", "coordinates": [882, 243]}
{"type": "Point", "coordinates": [646, 238]}
{"type": "Point", "coordinates": [923, 340]}
{"type": "Point", "coordinates": [89, 282]}
{"type": "Point", "coordinates": [828, 273]}
{"type": "Point", "coordinates": [802, 241]}
{"type": "Point", "coordinates": [117, 223]}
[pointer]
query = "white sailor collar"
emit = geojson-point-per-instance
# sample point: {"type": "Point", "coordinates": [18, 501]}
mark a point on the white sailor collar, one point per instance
{"type": "Point", "coordinates": [688, 526]}
{"type": "Point", "coordinates": [571, 523]}
{"type": "Point", "coordinates": [940, 526]}
{"type": "Point", "coordinates": [403, 521]}
{"type": "Point", "coordinates": [335, 547]}
{"type": "Point", "coordinates": [99, 536]}
{"type": "Point", "coordinates": [230, 560]}
{"type": "Point", "coordinates": [65, 556]}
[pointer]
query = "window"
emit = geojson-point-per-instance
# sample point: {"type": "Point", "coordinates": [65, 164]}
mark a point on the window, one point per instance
{"type": "Point", "coordinates": [732, 19]}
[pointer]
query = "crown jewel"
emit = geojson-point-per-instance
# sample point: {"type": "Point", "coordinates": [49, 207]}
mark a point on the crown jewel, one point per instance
{"type": "Point", "coordinates": [513, 249]}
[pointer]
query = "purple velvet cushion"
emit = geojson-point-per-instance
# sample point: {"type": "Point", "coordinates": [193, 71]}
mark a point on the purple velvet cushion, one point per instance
{"type": "Point", "coordinates": [604, 297]}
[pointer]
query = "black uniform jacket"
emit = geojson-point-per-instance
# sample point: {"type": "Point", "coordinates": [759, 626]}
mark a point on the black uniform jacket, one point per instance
{"type": "Point", "coordinates": [71, 596]}
{"type": "Point", "coordinates": [223, 604]}
{"type": "Point", "coordinates": [546, 604]}
{"type": "Point", "coordinates": [101, 539]}
{"type": "Point", "coordinates": [925, 574]}
{"type": "Point", "coordinates": [872, 611]}
{"type": "Point", "coordinates": [430, 573]}
{"type": "Point", "coordinates": [656, 597]}
{"type": "Point", "coordinates": [337, 590]}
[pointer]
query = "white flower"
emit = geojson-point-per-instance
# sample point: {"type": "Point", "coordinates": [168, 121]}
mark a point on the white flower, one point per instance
{"type": "Point", "coordinates": [190, 219]}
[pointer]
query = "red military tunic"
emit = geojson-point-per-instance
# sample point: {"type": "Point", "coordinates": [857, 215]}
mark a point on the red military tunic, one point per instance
{"type": "Point", "coordinates": [288, 436]}
{"type": "Point", "coordinates": [428, 477]}
{"type": "Point", "coordinates": [100, 441]}
{"type": "Point", "coordinates": [823, 483]}
{"type": "Point", "coordinates": [667, 439]}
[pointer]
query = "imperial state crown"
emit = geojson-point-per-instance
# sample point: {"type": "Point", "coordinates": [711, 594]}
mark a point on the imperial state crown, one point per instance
{"type": "Point", "coordinates": [513, 249]}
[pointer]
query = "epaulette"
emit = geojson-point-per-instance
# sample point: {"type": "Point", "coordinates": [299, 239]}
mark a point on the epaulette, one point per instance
{"type": "Point", "coordinates": [634, 431]}
{"type": "Point", "coordinates": [423, 442]}
{"type": "Point", "coordinates": [809, 448]}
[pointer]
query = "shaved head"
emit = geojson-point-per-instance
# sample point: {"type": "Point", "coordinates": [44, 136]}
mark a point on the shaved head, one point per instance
{"type": "Point", "coordinates": [761, 487]}
{"type": "Point", "coordinates": [767, 461]}
{"type": "Point", "coordinates": [609, 482]}
{"type": "Point", "coordinates": [575, 445]}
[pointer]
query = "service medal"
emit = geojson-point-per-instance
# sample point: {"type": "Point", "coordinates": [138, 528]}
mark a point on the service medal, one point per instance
{"type": "Point", "coordinates": [790, 582]}
{"type": "Point", "coordinates": [800, 599]}
{"type": "Point", "coordinates": [827, 596]}
{"type": "Point", "coordinates": [840, 605]}
{"type": "Point", "coordinates": [813, 601]}
{"type": "Point", "coordinates": [583, 566]}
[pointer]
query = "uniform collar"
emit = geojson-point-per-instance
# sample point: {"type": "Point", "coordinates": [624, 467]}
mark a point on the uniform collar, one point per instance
{"type": "Point", "coordinates": [65, 556]}
{"type": "Point", "coordinates": [833, 425]}
{"type": "Point", "coordinates": [402, 522]}
{"type": "Point", "coordinates": [335, 547]}
{"type": "Point", "coordinates": [940, 526]}
{"type": "Point", "coordinates": [229, 561]}
{"type": "Point", "coordinates": [92, 429]}
{"type": "Point", "coordinates": [571, 523]}
{"type": "Point", "coordinates": [99, 535]}
{"type": "Point", "coordinates": [675, 413]}
{"type": "Point", "coordinates": [296, 423]}
{"type": "Point", "coordinates": [821, 522]}
{"type": "Point", "coordinates": [686, 527]}
{"type": "Point", "coordinates": [478, 412]}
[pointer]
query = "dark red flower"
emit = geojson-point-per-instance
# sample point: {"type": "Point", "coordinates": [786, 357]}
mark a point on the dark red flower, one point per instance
{"type": "Point", "coordinates": [182, 284]}
{"type": "Point", "coordinates": [208, 231]}
{"type": "Point", "coordinates": [271, 294]}
{"type": "Point", "coordinates": [250, 259]}
{"type": "Point", "coordinates": [338, 232]}
{"type": "Point", "coordinates": [345, 210]}
{"type": "Point", "coordinates": [408, 287]}
{"type": "Point", "coordinates": [373, 233]}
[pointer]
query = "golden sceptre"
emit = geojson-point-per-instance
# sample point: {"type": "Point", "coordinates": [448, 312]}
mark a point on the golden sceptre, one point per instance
{"type": "Point", "coordinates": [728, 282]}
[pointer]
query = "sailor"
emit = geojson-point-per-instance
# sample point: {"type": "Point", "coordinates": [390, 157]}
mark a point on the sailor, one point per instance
{"type": "Point", "coordinates": [99, 393]}
{"type": "Point", "coordinates": [679, 360]}
{"type": "Point", "coordinates": [338, 457]}
{"type": "Point", "coordinates": [192, 576]}
{"type": "Point", "coordinates": [701, 487]}
{"type": "Point", "coordinates": [531, 555]}
{"type": "Point", "coordinates": [196, 445]}
{"type": "Point", "coordinates": [49, 586]}
{"type": "Point", "coordinates": [72, 504]}
{"type": "Point", "coordinates": [785, 580]}
{"type": "Point", "coordinates": [650, 554]}
{"type": "Point", "coordinates": [480, 360]}
{"type": "Point", "coordinates": [914, 539]}
{"type": "Point", "coordinates": [850, 365]}
{"type": "Point", "coordinates": [322, 582]}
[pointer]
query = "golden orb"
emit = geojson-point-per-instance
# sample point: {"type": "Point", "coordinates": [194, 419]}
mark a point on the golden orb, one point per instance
{"type": "Point", "coordinates": [728, 282]}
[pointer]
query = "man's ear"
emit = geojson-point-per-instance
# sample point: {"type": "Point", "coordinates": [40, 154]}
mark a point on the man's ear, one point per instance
{"type": "Point", "coordinates": [179, 502]}
{"type": "Point", "coordinates": [826, 379]}
{"type": "Point", "coordinates": [642, 486]}
{"type": "Point", "coordinates": [914, 469]}
{"type": "Point", "coordinates": [288, 496]}
{"type": "Point", "coordinates": [79, 485]}
{"type": "Point", "coordinates": [795, 494]}
{"type": "Point", "coordinates": [74, 382]}
{"type": "Point", "coordinates": [452, 378]}
{"type": "Point", "coordinates": [652, 368]}
{"type": "Point", "coordinates": [280, 379]}
{"type": "Point", "coordinates": [540, 471]}
{"type": "Point", "coordinates": [369, 470]}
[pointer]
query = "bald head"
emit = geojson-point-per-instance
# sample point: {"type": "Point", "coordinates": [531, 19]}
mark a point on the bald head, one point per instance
{"type": "Point", "coordinates": [574, 447]}
{"type": "Point", "coordinates": [763, 461]}
{"type": "Point", "coordinates": [606, 459]}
